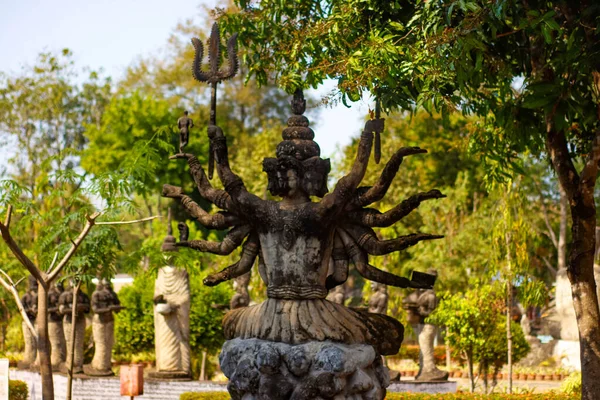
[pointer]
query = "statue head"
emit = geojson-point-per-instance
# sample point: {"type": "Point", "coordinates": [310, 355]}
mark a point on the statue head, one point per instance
{"type": "Point", "coordinates": [185, 113]}
{"type": "Point", "coordinates": [169, 240]}
{"type": "Point", "coordinates": [298, 169]}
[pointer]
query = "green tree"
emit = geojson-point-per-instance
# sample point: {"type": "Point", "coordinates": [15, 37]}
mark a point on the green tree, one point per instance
{"type": "Point", "coordinates": [475, 326]}
{"type": "Point", "coordinates": [530, 69]}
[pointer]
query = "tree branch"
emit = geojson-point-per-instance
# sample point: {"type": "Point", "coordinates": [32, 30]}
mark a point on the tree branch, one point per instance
{"type": "Point", "coordinates": [135, 221]}
{"type": "Point", "coordinates": [8, 216]}
{"type": "Point", "coordinates": [91, 220]}
{"type": "Point", "coordinates": [16, 250]}
{"type": "Point", "coordinates": [13, 290]}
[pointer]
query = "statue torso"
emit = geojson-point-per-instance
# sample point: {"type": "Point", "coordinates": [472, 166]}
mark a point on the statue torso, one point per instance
{"type": "Point", "coordinates": [295, 250]}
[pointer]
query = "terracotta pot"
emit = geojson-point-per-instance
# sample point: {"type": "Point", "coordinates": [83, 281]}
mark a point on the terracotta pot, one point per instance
{"type": "Point", "coordinates": [540, 377]}
{"type": "Point", "coordinates": [521, 377]}
{"type": "Point", "coordinates": [531, 377]}
{"type": "Point", "coordinates": [556, 377]}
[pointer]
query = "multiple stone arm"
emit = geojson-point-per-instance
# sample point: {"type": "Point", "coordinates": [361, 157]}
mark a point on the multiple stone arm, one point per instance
{"type": "Point", "coordinates": [360, 260]}
{"type": "Point", "coordinates": [377, 191]}
{"type": "Point", "coordinates": [346, 186]}
{"type": "Point", "coordinates": [367, 239]}
{"type": "Point", "coordinates": [242, 200]}
{"type": "Point", "coordinates": [220, 220]}
{"type": "Point", "coordinates": [243, 266]}
{"type": "Point", "coordinates": [340, 264]}
{"type": "Point", "coordinates": [373, 217]}
{"type": "Point", "coordinates": [218, 197]}
{"type": "Point", "coordinates": [232, 239]}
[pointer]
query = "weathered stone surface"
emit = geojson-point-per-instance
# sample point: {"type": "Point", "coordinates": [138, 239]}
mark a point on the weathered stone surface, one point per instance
{"type": "Point", "coordinates": [419, 305]}
{"type": "Point", "coordinates": [65, 308]}
{"type": "Point", "coordinates": [172, 315]}
{"type": "Point", "coordinates": [270, 370]}
{"type": "Point", "coordinates": [104, 303]}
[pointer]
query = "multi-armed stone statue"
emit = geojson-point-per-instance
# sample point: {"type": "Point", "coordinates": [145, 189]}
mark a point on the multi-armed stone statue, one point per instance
{"type": "Point", "coordinates": [419, 305]}
{"type": "Point", "coordinates": [65, 307]}
{"type": "Point", "coordinates": [104, 303]}
{"type": "Point", "coordinates": [296, 344]}
{"type": "Point", "coordinates": [55, 326]}
{"type": "Point", "coordinates": [172, 314]}
{"type": "Point", "coordinates": [30, 304]}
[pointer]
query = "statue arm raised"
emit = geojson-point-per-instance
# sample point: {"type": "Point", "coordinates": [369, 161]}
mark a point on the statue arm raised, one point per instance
{"type": "Point", "coordinates": [346, 187]}
{"type": "Point", "coordinates": [243, 200]}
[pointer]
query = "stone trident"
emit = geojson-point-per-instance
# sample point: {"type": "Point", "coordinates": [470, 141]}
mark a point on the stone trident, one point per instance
{"type": "Point", "coordinates": [214, 75]}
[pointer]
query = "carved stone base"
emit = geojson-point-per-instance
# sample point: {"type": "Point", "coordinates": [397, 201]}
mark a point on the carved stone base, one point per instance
{"type": "Point", "coordinates": [315, 370]}
{"type": "Point", "coordinates": [170, 375]}
{"type": "Point", "coordinates": [91, 371]}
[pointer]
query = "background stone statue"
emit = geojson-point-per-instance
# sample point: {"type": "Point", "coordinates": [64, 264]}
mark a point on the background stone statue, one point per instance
{"type": "Point", "coordinates": [419, 305]}
{"type": "Point", "coordinates": [241, 298]}
{"type": "Point", "coordinates": [65, 307]}
{"type": "Point", "coordinates": [30, 303]}
{"type": "Point", "coordinates": [378, 302]}
{"type": "Point", "coordinates": [55, 326]}
{"type": "Point", "coordinates": [104, 303]}
{"type": "Point", "coordinates": [172, 315]}
{"type": "Point", "coordinates": [337, 295]}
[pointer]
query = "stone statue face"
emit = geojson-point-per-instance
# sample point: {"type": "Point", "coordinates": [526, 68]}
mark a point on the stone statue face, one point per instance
{"type": "Point", "coordinates": [292, 183]}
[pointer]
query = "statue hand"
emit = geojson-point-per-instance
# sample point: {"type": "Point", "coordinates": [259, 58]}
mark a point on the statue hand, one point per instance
{"type": "Point", "coordinates": [171, 191]}
{"type": "Point", "coordinates": [375, 125]}
{"type": "Point", "coordinates": [211, 280]}
{"type": "Point", "coordinates": [214, 132]}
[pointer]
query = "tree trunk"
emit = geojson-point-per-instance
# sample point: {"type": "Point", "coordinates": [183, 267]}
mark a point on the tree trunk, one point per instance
{"type": "Point", "coordinates": [44, 343]}
{"type": "Point", "coordinates": [73, 332]}
{"type": "Point", "coordinates": [469, 355]}
{"type": "Point", "coordinates": [203, 367]}
{"type": "Point", "coordinates": [585, 300]}
{"type": "Point", "coordinates": [562, 232]}
{"type": "Point", "coordinates": [509, 302]}
{"type": "Point", "coordinates": [579, 188]}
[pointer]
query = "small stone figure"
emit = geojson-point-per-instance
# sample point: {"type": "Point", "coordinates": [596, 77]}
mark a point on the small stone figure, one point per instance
{"type": "Point", "coordinates": [420, 304]}
{"type": "Point", "coordinates": [241, 298]}
{"type": "Point", "coordinates": [337, 295]}
{"type": "Point", "coordinates": [30, 300]}
{"type": "Point", "coordinates": [55, 326]}
{"type": "Point", "coordinates": [65, 307]}
{"type": "Point", "coordinates": [104, 303]}
{"type": "Point", "coordinates": [184, 124]}
{"type": "Point", "coordinates": [378, 302]}
{"type": "Point", "coordinates": [172, 315]}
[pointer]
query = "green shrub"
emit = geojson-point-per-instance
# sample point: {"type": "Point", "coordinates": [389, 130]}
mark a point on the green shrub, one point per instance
{"type": "Point", "coordinates": [17, 390]}
{"type": "Point", "coordinates": [205, 396]}
{"type": "Point", "coordinates": [572, 384]}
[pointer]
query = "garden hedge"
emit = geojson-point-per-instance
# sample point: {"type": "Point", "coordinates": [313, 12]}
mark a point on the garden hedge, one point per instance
{"type": "Point", "coordinates": [419, 396]}
{"type": "Point", "coordinates": [17, 390]}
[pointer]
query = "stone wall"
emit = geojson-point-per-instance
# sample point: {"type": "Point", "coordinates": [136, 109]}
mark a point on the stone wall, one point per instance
{"type": "Point", "coordinates": [109, 388]}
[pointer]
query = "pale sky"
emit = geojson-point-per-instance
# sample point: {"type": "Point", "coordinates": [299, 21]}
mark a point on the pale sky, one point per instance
{"type": "Point", "coordinates": [111, 34]}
